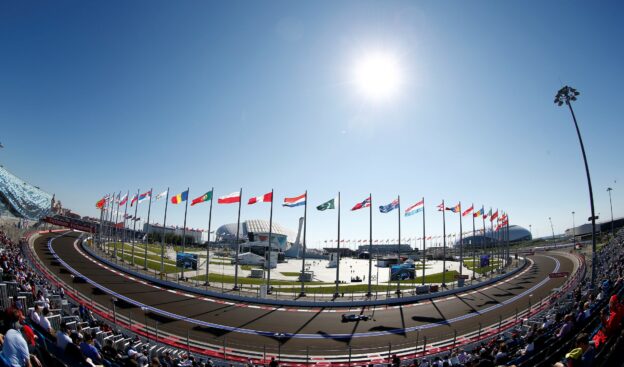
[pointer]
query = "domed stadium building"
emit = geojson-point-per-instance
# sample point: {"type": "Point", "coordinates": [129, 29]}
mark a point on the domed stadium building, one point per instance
{"type": "Point", "coordinates": [256, 230]}
{"type": "Point", "coordinates": [516, 234]}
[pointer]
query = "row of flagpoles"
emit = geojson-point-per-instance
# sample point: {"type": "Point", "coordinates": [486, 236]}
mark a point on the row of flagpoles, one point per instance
{"type": "Point", "coordinates": [108, 202]}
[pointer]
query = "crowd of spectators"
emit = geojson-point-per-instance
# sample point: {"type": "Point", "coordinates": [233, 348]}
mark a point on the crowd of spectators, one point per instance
{"type": "Point", "coordinates": [563, 324]}
{"type": "Point", "coordinates": [27, 337]}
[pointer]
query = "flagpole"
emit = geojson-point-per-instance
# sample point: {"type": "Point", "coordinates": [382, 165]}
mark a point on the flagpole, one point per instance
{"type": "Point", "coordinates": [184, 230]}
{"type": "Point", "coordinates": [338, 251]}
{"type": "Point", "coordinates": [134, 227]}
{"type": "Point", "coordinates": [474, 248]}
{"type": "Point", "coordinates": [508, 248]}
{"type": "Point", "coordinates": [461, 242]}
{"type": "Point", "coordinates": [149, 210]}
{"type": "Point", "coordinates": [483, 245]}
{"type": "Point", "coordinates": [423, 244]}
{"type": "Point", "coordinates": [398, 291]}
{"type": "Point", "coordinates": [125, 233]}
{"type": "Point", "coordinates": [101, 226]}
{"type": "Point", "coordinates": [270, 235]}
{"type": "Point", "coordinates": [303, 257]}
{"type": "Point", "coordinates": [492, 245]}
{"type": "Point", "coordinates": [240, 199]}
{"type": "Point", "coordinates": [162, 240]}
{"type": "Point", "coordinates": [370, 247]}
{"type": "Point", "coordinates": [117, 237]}
{"type": "Point", "coordinates": [208, 244]}
{"type": "Point", "coordinates": [109, 218]}
{"type": "Point", "coordinates": [444, 245]}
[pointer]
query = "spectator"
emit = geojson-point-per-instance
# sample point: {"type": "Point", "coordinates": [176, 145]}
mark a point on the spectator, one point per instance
{"type": "Point", "coordinates": [62, 337]}
{"type": "Point", "coordinates": [273, 363]}
{"type": "Point", "coordinates": [89, 351]}
{"type": "Point", "coordinates": [44, 322]}
{"type": "Point", "coordinates": [566, 328]}
{"type": "Point", "coordinates": [167, 361]}
{"type": "Point", "coordinates": [14, 347]}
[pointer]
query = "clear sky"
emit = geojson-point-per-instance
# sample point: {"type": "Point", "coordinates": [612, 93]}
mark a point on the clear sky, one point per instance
{"type": "Point", "coordinates": [98, 97]}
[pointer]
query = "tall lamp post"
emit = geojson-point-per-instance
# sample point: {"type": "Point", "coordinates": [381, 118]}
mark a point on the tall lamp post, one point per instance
{"type": "Point", "coordinates": [552, 229]}
{"type": "Point", "coordinates": [531, 230]}
{"type": "Point", "coordinates": [565, 95]}
{"type": "Point", "coordinates": [611, 205]}
{"type": "Point", "coordinates": [573, 230]}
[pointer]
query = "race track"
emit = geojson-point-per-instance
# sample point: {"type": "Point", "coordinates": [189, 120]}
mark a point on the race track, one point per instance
{"type": "Point", "coordinates": [317, 331]}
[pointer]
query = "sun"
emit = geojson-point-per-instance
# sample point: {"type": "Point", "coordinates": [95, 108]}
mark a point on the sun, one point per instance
{"type": "Point", "coordinates": [377, 76]}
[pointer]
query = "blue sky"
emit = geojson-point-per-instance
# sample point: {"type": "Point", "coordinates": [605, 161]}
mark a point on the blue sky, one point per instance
{"type": "Point", "coordinates": [106, 96]}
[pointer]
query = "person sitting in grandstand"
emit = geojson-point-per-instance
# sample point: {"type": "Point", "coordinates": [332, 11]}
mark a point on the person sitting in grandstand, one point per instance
{"type": "Point", "coordinates": [583, 353]}
{"type": "Point", "coordinates": [89, 351]}
{"type": "Point", "coordinates": [14, 346]}
{"type": "Point", "coordinates": [567, 326]}
{"type": "Point", "coordinates": [44, 322]}
{"type": "Point", "coordinates": [611, 321]}
{"type": "Point", "coordinates": [35, 315]}
{"type": "Point", "coordinates": [62, 337]}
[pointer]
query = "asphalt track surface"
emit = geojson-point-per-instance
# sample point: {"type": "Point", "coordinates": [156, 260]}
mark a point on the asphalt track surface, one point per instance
{"type": "Point", "coordinates": [316, 330]}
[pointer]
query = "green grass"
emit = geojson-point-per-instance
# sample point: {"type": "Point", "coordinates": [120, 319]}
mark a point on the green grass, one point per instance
{"type": "Point", "coordinates": [140, 253]}
{"type": "Point", "coordinates": [290, 273]}
{"type": "Point", "coordinates": [363, 287]}
{"type": "Point", "coordinates": [223, 278]}
{"type": "Point", "coordinates": [249, 267]}
{"type": "Point", "coordinates": [220, 263]}
{"type": "Point", "coordinates": [139, 261]}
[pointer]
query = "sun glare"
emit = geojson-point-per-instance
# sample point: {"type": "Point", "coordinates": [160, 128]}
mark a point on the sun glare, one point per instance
{"type": "Point", "coordinates": [377, 76]}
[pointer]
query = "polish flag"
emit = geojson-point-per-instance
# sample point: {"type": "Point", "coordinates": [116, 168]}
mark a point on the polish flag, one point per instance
{"type": "Point", "coordinates": [266, 198]}
{"type": "Point", "coordinates": [230, 199]}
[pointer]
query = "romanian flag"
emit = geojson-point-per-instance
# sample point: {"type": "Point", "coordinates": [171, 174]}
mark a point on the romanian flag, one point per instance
{"type": "Point", "coordinates": [455, 209]}
{"type": "Point", "coordinates": [180, 197]}
{"type": "Point", "coordinates": [478, 213]}
{"type": "Point", "coordinates": [206, 197]}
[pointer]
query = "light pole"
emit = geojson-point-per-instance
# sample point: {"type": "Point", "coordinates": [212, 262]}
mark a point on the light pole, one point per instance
{"type": "Point", "coordinates": [531, 230]}
{"type": "Point", "coordinates": [611, 205]}
{"type": "Point", "coordinates": [573, 230]}
{"type": "Point", "coordinates": [565, 95]}
{"type": "Point", "coordinates": [145, 322]}
{"type": "Point", "coordinates": [113, 300]}
{"type": "Point", "coordinates": [552, 229]}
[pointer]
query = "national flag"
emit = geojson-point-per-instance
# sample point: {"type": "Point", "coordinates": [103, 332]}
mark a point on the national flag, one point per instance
{"type": "Point", "coordinates": [330, 204]}
{"type": "Point", "coordinates": [390, 207]}
{"type": "Point", "coordinates": [183, 196]}
{"type": "Point", "coordinates": [266, 198]}
{"type": "Point", "coordinates": [162, 195]}
{"type": "Point", "coordinates": [494, 216]}
{"type": "Point", "coordinates": [123, 200]}
{"type": "Point", "coordinates": [100, 203]}
{"type": "Point", "coordinates": [364, 204]}
{"type": "Point", "coordinates": [230, 199]}
{"type": "Point", "coordinates": [454, 209]}
{"type": "Point", "coordinates": [145, 196]}
{"type": "Point", "coordinates": [441, 207]}
{"type": "Point", "coordinates": [136, 219]}
{"type": "Point", "coordinates": [206, 197]}
{"type": "Point", "coordinates": [478, 213]}
{"type": "Point", "coordinates": [416, 208]}
{"type": "Point", "coordinates": [295, 201]}
{"type": "Point", "coordinates": [467, 211]}
{"type": "Point", "coordinates": [135, 198]}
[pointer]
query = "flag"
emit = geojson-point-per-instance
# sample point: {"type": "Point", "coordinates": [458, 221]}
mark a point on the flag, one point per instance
{"type": "Point", "coordinates": [479, 213]}
{"type": "Point", "coordinates": [364, 204]}
{"type": "Point", "coordinates": [467, 211]}
{"type": "Point", "coordinates": [266, 198]}
{"type": "Point", "coordinates": [494, 216]}
{"type": "Point", "coordinates": [123, 200]}
{"type": "Point", "coordinates": [145, 196]}
{"type": "Point", "coordinates": [183, 196]}
{"type": "Point", "coordinates": [162, 195]}
{"type": "Point", "coordinates": [135, 198]}
{"type": "Point", "coordinates": [100, 203]}
{"type": "Point", "coordinates": [390, 207]}
{"type": "Point", "coordinates": [454, 209]}
{"type": "Point", "coordinates": [441, 207]}
{"type": "Point", "coordinates": [416, 208]}
{"type": "Point", "coordinates": [206, 197]}
{"type": "Point", "coordinates": [230, 199]}
{"type": "Point", "coordinates": [296, 201]}
{"type": "Point", "coordinates": [330, 204]}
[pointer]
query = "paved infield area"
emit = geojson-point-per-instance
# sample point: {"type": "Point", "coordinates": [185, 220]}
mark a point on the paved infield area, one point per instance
{"type": "Point", "coordinates": [320, 330]}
